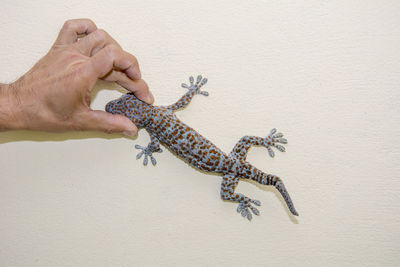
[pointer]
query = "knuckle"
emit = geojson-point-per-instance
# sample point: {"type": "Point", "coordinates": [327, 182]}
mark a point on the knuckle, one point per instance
{"type": "Point", "coordinates": [104, 36]}
{"type": "Point", "coordinates": [101, 34]}
{"type": "Point", "coordinates": [134, 60]}
{"type": "Point", "coordinates": [112, 49]}
{"type": "Point", "coordinates": [89, 21]}
{"type": "Point", "coordinates": [68, 24]}
{"type": "Point", "coordinates": [72, 22]}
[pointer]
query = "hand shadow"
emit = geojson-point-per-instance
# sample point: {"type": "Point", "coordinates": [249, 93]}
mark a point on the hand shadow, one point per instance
{"type": "Point", "coordinates": [22, 135]}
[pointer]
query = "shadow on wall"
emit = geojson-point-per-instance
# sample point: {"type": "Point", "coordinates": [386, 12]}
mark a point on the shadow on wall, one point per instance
{"type": "Point", "coordinates": [15, 136]}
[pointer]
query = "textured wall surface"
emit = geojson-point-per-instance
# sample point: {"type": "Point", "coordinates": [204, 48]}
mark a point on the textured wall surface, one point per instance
{"type": "Point", "coordinates": [325, 73]}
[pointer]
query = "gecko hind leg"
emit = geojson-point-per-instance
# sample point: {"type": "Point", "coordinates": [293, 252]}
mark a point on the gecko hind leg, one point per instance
{"type": "Point", "coordinates": [228, 185]}
{"type": "Point", "coordinates": [241, 148]}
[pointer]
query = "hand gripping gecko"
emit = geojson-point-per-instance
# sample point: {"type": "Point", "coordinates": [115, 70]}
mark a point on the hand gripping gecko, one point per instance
{"type": "Point", "coordinates": [165, 128]}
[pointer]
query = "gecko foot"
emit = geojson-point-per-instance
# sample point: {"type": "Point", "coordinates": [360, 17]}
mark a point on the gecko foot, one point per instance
{"type": "Point", "coordinates": [195, 86]}
{"type": "Point", "coordinates": [245, 207]}
{"type": "Point", "coordinates": [147, 152]}
{"type": "Point", "coordinates": [272, 139]}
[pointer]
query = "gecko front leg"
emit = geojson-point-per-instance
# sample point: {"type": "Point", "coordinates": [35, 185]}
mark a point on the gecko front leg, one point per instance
{"type": "Point", "coordinates": [153, 146]}
{"type": "Point", "coordinates": [241, 148]}
{"type": "Point", "coordinates": [193, 89]}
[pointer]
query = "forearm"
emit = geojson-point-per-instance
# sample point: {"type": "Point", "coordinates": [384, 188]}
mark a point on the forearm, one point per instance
{"type": "Point", "coordinates": [9, 109]}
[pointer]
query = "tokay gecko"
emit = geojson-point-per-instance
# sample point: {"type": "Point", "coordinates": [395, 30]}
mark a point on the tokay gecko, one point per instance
{"type": "Point", "coordinates": [165, 128]}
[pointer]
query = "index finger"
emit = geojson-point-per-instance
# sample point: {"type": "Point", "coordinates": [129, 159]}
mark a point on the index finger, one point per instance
{"type": "Point", "coordinates": [72, 28]}
{"type": "Point", "coordinates": [113, 64]}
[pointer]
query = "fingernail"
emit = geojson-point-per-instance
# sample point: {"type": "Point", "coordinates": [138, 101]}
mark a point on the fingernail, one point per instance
{"type": "Point", "coordinates": [129, 133]}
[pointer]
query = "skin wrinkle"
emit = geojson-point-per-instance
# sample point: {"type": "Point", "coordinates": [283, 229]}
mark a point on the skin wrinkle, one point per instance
{"type": "Point", "coordinates": [11, 107]}
{"type": "Point", "coordinates": [3, 112]}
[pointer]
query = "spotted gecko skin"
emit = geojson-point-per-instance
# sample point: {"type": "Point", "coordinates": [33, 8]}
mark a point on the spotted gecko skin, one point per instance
{"type": "Point", "coordinates": [165, 128]}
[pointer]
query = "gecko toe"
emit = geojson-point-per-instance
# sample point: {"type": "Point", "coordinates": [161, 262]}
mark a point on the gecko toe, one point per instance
{"type": "Point", "coordinates": [249, 216]}
{"type": "Point", "coordinates": [153, 160]}
{"type": "Point", "coordinates": [255, 211]}
{"type": "Point", "coordinates": [139, 155]}
{"type": "Point", "coordinates": [145, 161]}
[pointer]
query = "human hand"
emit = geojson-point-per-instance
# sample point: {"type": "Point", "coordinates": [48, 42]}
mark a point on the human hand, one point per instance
{"type": "Point", "coordinates": [55, 94]}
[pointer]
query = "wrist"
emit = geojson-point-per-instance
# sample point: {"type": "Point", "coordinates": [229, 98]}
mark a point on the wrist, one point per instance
{"type": "Point", "coordinates": [10, 112]}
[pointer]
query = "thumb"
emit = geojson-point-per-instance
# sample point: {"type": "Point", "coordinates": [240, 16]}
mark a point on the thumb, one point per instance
{"type": "Point", "coordinates": [97, 120]}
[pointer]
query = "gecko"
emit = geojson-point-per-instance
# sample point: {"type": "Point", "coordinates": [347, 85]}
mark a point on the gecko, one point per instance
{"type": "Point", "coordinates": [165, 128]}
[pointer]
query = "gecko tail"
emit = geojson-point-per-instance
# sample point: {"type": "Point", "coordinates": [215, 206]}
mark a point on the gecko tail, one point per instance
{"type": "Point", "coordinates": [259, 176]}
{"type": "Point", "coordinates": [281, 188]}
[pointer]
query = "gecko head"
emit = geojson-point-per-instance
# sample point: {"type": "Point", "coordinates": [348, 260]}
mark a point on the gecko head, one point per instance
{"type": "Point", "coordinates": [131, 107]}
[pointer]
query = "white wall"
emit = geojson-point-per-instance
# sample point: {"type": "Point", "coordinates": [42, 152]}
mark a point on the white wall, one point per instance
{"type": "Point", "coordinates": [326, 73]}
